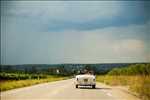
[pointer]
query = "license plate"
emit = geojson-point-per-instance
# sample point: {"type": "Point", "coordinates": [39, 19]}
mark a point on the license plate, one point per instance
{"type": "Point", "coordinates": [85, 80]}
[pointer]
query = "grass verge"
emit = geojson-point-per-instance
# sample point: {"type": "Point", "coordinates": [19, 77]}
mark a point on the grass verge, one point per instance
{"type": "Point", "coordinates": [139, 84]}
{"type": "Point", "coordinates": [12, 84]}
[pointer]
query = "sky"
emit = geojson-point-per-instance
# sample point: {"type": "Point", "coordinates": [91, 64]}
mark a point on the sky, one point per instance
{"type": "Point", "coordinates": [55, 32]}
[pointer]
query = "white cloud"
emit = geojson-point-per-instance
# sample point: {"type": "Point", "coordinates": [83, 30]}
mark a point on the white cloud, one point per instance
{"type": "Point", "coordinates": [98, 46]}
{"type": "Point", "coordinates": [114, 44]}
{"type": "Point", "coordinates": [129, 47]}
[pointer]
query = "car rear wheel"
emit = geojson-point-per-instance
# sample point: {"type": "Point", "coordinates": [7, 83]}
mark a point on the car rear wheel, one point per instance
{"type": "Point", "coordinates": [93, 86]}
{"type": "Point", "coordinates": [76, 86]}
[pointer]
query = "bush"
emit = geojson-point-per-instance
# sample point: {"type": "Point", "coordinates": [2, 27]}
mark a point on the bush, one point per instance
{"type": "Point", "coordinates": [20, 76]}
{"type": "Point", "coordinates": [136, 69]}
{"type": "Point", "coordinates": [141, 85]}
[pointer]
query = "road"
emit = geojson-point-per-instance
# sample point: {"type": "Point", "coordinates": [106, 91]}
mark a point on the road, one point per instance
{"type": "Point", "coordinates": [65, 90]}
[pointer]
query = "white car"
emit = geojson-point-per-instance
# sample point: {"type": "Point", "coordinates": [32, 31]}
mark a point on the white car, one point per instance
{"type": "Point", "coordinates": [85, 80]}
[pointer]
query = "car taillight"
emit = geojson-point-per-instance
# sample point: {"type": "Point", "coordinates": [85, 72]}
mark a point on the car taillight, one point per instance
{"type": "Point", "coordinates": [94, 79]}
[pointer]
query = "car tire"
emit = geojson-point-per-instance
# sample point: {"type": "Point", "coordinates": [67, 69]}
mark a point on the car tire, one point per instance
{"type": "Point", "coordinates": [93, 86]}
{"type": "Point", "coordinates": [76, 86]}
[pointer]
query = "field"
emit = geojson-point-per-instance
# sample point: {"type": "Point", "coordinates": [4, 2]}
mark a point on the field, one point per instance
{"type": "Point", "coordinates": [14, 80]}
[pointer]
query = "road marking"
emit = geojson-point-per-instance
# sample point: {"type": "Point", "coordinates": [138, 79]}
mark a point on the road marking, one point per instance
{"type": "Point", "coordinates": [104, 91]}
{"type": "Point", "coordinates": [58, 90]}
{"type": "Point", "coordinates": [109, 94]}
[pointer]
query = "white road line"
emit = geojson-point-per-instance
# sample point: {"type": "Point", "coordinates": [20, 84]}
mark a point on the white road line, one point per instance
{"type": "Point", "coordinates": [58, 90]}
{"type": "Point", "coordinates": [104, 91]}
{"type": "Point", "coordinates": [109, 94]}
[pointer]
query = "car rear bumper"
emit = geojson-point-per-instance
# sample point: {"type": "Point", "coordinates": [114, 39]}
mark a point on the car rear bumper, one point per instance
{"type": "Point", "coordinates": [85, 84]}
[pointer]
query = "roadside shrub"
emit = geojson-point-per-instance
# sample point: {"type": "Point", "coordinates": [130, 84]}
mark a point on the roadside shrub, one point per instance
{"type": "Point", "coordinates": [21, 76]}
{"type": "Point", "coordinates": [135, 69]}
{"type": "Point", "coordinates": [141, 85]}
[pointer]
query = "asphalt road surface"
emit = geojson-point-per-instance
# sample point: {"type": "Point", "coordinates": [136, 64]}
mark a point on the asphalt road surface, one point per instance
{"type": "Point", "coordinates": [65, 90]}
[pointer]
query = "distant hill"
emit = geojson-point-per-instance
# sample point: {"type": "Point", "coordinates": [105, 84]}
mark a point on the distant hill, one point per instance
{"type": "Point", "coordinates": [62, 68]}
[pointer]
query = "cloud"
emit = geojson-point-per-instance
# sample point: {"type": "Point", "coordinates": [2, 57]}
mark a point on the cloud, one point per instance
{"type": "Point", "coordinates": [113, 44]}
{"type": "Point", "coordinates": [74, 15]}
{"type": "Point", "coordinates": [59, 10]}
{"type": "Point", "coordinates": [73, 32]}
{"type": "Point", "coordinates": [129, 47]}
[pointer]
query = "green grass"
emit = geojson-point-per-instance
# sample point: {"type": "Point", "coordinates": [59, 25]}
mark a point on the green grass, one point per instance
{"type": "Point", "coordinates": [12, 84]}
{"type": "Point", "coordinates": [139, 84]}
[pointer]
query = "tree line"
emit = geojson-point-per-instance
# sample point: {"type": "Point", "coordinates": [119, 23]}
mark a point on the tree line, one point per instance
{"type": "Point", "coordinates": [18, 72]}
{"type": "Point", "coordinates": [134, 69]}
